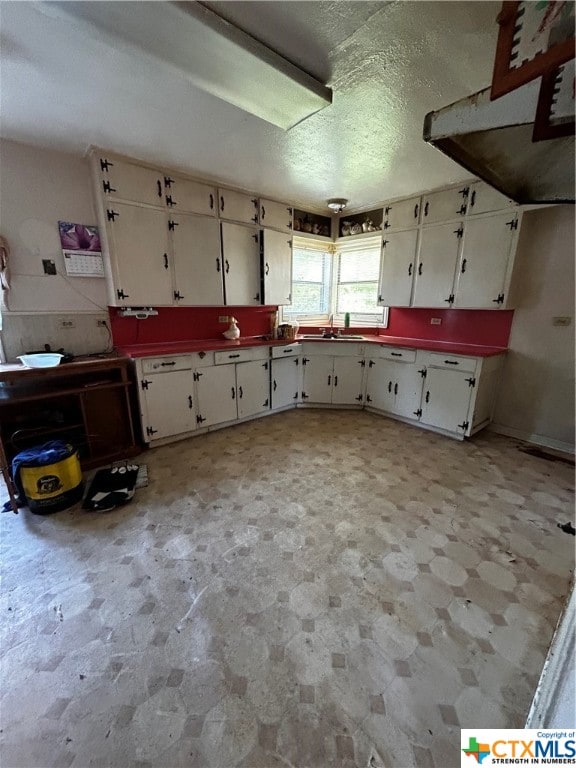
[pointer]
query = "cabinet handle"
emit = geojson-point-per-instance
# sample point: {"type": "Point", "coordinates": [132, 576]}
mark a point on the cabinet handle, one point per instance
{"type": "Point", "coordinates": [262, 212]}
{"type": "Point", "coordinates": [165, 261]}
{"type": "Point", "coordinates": [335, 381]}
{"type": "Point", "coordinates": [231, 357]}
{"type": "Point", "coordinates": [396, 354]}
{"type": "Point", "coordinates": [159, 188]}
{"type": "Point", "coordinates": [426, 208]}
{"type": "Point", "coordinates": [274, 385]}
{"type": "Point", "coordinates": [396, 388]}
{"type": "Point", "coordinates": [190, 402]}
{"type": "Point", "coordinates": [464, 262]}
{"type": "Point", "coordinates": [286, 351]}
{"type": "Point", "coordinates": [472, 198]}
{"type": "Point", "coordinates": [222, 203]}
{"type": "Point", "coordinates": [217, 264]}
{"type": "Point", "coordinates": [410, 269]}
{"type": "Point", "coordinates": [240, 393]}
{"type": "Point", "coordinates": [329, 380]}
{"type": "Point", "coordinates": [266, 268]}
{"type": "Point", "coordinates": [420, 268]}
{"type": "Point", "coordinates": [233, 393]}
{"type": "Point", "coordinates": [211, 201]}
{"type": "Point", "coordinates": [416, 209]}
{"type": "Point", "coordinates": [451, 362]}
{"type": "Point", "coordinates": [389, 386]}
{"type": "Point", "coordinates": [227, 266]}
{"type": "Point", "coordinates": [427, 396]}
{"type": "Point", "coordinates": [167, 365]}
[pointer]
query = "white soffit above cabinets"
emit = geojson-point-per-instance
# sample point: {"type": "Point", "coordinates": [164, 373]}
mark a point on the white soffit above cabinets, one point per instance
{"type": "Point", "coordinates": [67, 85]}
{"type": "Point", "coordinates": [215, 55]}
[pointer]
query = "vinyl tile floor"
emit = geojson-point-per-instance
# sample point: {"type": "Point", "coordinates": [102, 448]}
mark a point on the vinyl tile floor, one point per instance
{"type": "Point", "coordinates": [312, 589]}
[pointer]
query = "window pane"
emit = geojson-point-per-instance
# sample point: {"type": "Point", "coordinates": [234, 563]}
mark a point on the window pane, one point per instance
{"type": "Point", "coordinates": [307, 299]}
{"type": "Point", "coordinates": [358, 266]}
{"type": "Point", "coordinates": [358, 298]}
{"type": "Point", "coordinates": [310, 283]}
{"type": "Point", "coordinates": [308, 266]}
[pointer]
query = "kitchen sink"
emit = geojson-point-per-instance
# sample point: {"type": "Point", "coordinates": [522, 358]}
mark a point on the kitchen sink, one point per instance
{"type": "Point", "coordinates": [344, 337]}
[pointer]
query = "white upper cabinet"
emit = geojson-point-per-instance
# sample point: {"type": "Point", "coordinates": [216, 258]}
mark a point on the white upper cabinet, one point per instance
{"type": "Point", "coordinates": [241, 255]}
{"type": "Point", "coordinates": [197, 260]}
{"type": "Point", "coordinates": [488, 247]}
{"type": "Point", "coordinates": [276, 215]}
{"type": "Point", "coordinates": [276, 267]}
{"type": "Point", "coordinates": [483, 199]}
{"type": "Point", "coordinates": [401, 215]}
{"type": "Point", "coordinates": [237, 206]}
{"type": "Point", "coordinates": [185, 196]}
{"type": "Point", "coordinates": [139, 255]}
{"type": "Point", "coordinates": [120, 180]}
{"type": "Point", "coordinates": [437, 259]}
{"type": "Point", "coordinates": [397, 268]}
{"type": "Point", "coordinates": [446, 205]}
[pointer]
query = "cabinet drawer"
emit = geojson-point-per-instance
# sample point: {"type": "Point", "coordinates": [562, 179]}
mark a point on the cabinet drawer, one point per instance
{"type": "Point", "coordinates": [334, 348]}
{"type": "Point", "coordinates": [288, 351]}
{"type": "Point", "coordinates": [397, 353]}
{"type": "Point", "coordinates": [241, 355]}
{"type": "Point", "coordinates": [455, 362]}
{"type": "Point", "coordinates": [202, 359]}
{"type": "Point", "coordinates": [160, 364]}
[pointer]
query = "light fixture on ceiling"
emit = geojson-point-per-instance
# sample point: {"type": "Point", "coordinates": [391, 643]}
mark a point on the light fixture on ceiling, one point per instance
{"type": "Point", "coordinates": [337, 204]}
{"type": "Point", "coordinates": [212, 53]}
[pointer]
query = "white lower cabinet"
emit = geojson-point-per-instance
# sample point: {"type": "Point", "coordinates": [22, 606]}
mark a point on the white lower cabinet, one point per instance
{"type": "Point", "coordinates": [216, 394]}
{"type": "Point", "coordinates": [285, 382]}
{"type": "Point", "coordinates": [394, 387]}
{"type": "Point", "coordinates": [173, 415]}
{"type": "Point", "coordinates": [446, 399]}
{"type": "Point", "coordinates": [252, 388]}
{"type": "Point", "coordinates": [347, 381]}
{"type": "Point", "coordinates": [328, 378]}
{"type": "Point", "coordinates": [317, 379]}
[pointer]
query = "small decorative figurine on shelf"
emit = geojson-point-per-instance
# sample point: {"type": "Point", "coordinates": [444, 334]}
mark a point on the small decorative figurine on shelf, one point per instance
{"type": "Point", "coordinates": [233, 331]}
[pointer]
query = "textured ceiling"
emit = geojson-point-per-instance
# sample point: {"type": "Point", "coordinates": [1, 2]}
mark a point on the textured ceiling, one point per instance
{"type": "Point", "coordinates": [66, 86]}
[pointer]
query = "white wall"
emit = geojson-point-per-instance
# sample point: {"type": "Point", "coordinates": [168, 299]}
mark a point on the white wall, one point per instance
{"type": "Point", "coordinates": [536, 400]}
{"type": "Point", "coordinates": [38, 188]}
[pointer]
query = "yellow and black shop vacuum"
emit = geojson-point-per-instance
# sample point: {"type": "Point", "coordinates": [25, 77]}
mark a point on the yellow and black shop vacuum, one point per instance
{"type": "Point", "coordinates": [48, 477]}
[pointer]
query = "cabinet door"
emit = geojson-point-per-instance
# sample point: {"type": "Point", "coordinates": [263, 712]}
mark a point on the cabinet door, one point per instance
{"type": "Point", "coordinates": [347, 381]}
{"type": "Point", "coordinates": [126, 181]}
{"type": "Point", "coordinates": [197, 261]}
{"type": "Point", "coordinates": [486, 250]}
{"type": "Point", "coordinates": [139, 248]}
{"type": "Point", "coordinates": [483, 198]}
{"type": "Point", "coordinates": [169, 399]}
{"type": "Point", "coordinates": [253, 387]}
{"type": "Point", "coordinates": [446, 399]}
{"type": "Point", "coordinates": [185, 196]}
{"type": "Point", "coordinates": [407, 389]}
{"type": "Point", "coordinates": [277, 267]}
{"type": "Point", "coordinates": [317, 379]}
{"type": "Point", "coordinates": [397, 268]}
{"type": "Point", "coordinates": [380, 385]}
{"type": "Point", "coordinates": [285, 382]}
{"type": "Point", "coordinates": [402, 214]}
{"type": "Point", "coordinates": [446, 205]}
{"type": "Point", "coordinates": [241, 254]}
{"type": "Point", "coordinates": [276, 215]}
{"type": "Point", "coordinates": [437, 257]}
{"type": "Point", "coordinates": [216, 394]}
{"type": "Point", "coordinates": [237, 206]}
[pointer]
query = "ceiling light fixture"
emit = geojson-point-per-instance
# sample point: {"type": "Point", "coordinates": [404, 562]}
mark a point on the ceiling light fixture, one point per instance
{"type": "Point", "coordinates": [212, 53]}
{"type": "Point", "coordinates": [337, 204]}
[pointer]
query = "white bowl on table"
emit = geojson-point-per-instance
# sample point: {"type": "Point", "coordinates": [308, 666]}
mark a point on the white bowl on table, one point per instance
{"type": "Point", "coordinates": [41, 360]}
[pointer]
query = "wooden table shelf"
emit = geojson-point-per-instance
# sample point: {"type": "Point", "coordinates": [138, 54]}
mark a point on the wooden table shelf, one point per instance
{"type": "Point", "coordinates": [90, 402]}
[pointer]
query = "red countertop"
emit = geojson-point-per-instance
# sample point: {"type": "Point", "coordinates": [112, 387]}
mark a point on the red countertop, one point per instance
{"type": "Point", "coordinates": [206, 345]}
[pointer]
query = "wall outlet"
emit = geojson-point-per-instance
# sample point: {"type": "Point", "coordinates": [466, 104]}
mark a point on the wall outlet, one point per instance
{"type": "Point", "coordinates": [67, 324]}
{"type": "Point", "coordinates": [101, 323]}
{"type": "Point", "coordinates": [435, 321]}
{"type": "Point", "coordinates": [563, 320]}
{"type": "Point", "coordinates": [223, 319]}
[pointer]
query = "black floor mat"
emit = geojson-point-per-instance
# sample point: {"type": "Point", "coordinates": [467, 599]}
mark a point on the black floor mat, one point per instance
{"type": "Point", "coordinates": [111, 488]}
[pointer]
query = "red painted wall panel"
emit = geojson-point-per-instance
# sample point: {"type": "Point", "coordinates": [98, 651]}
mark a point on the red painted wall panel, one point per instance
{"type": "Point", "coordinates": [465, 326]}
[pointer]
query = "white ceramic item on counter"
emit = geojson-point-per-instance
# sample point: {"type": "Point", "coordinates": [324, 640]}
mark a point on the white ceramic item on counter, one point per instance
{"type": "Point", "coordinates": [42, 360]}
{"type": "Point", "coordinates": [233, 331]}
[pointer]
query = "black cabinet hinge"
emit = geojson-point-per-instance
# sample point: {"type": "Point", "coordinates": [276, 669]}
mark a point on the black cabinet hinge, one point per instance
{"type": "Point", "coordinates": [178, 295]}
{"type": "Point", "coordinates": [111, 215]}
{"type": "Point", "coordinates": [266, 403]}
{"type": "Point", "coordinates": [305, 360]}
{"type": "Point", "coordinates": [371, 364]}
{"type": "Point", "coordinates": [200, 419]}
{"type": "Point", "coordinates": [172, 224]}
{"type": "Point", "coordinates": [368, 399]}
{"type": "Point", "coordinates": [296, 361]}
{"type": "Point", "coordinates": [418, 412]}
{"type": "Point", "coordinates": [513, 224]}
{"type": "Point", "coordinates": [196, 375]}
{"type": "Point", "coordinates": [464, 425]}
{"type": "Point", "coordinates": [499, 300]}
{"type": "Point", "coordinates": [461, 211]}
{"type": "Point", "coordinates": [450, 299]}
{"type": "Point", "coordinates": [121, 295]}
{"type": "Point", "coordinates": [304, 396]}
{"type": "Point", "coordinates": [168, 182]}
{"type": "Point", "coordinates": [464, 192]}
{"type": "Point", "coordinates": [108, 187]}
{"type": "Point", "coordinates": [144, 383]}
{"type": "Point", "coordinates": [359, 398]}
{"type": "Point", "coordinates": [295, 396]}
{"type": "Point", "coordinates": [362, 363]}
{"type": "Point", "coordinates": [170, 202]}
{"type": "Point", "coordinates": [422, 372]}
{"type": "Point", "coordinates": [460, 231]}
{"type": "Point", "coordinates": [150, 431]}
{"type": "Point", "coordinates": [471, 382]}
{"type": "Point", "coordinates": [105, 164]}
{"type": "Point", "coordinates": [265, 366]}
